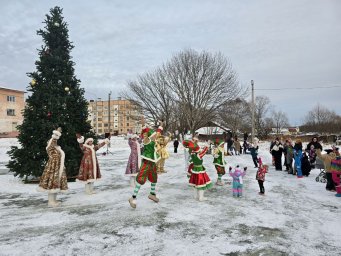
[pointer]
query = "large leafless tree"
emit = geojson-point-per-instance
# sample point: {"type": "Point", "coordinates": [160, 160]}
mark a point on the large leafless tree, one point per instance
{"type": "Point", "coordinates": [262, 106]}
{"type": "Point", "coordinates": [188, 89]}
{"type": "Point", "coordinates": [280, 120]}
{"type": "Point", "coordinates": [321, 119]}
{"type": "Point", "coordinates": [235, 114]}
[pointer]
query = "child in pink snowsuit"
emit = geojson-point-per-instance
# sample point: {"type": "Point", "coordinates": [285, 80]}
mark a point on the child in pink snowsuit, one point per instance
{"type": "Point", "coordinates": [237, 185]}
{"type": "Point", "coordinates": [260, 175]}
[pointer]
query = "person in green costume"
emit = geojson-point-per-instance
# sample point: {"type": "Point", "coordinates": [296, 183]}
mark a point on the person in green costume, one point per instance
{"type": "Point", "coordinates": [148, 171]}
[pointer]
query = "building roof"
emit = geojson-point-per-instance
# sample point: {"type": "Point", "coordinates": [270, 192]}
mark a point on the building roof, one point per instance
{"type": "Point", "coordinates": [14, 90]}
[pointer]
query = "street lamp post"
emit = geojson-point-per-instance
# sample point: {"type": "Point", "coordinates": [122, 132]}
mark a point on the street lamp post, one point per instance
{"type": "Point", "coordinates": [97, 115]}
{"type": "Point", "coordinates": [109, 113]}
{"type": "Point", "coordinates": [252, 113]}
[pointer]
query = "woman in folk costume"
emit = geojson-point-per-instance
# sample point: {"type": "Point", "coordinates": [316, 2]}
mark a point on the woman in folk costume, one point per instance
{"type": "Point", "coordinates": [237, 175]}
{"type": "Point", "coordinates": [161, 143]}
{"type": "Point", "coordinates": [148, 166]}
{"type": "Point", "coordinates": [187, 136]}
{"type": "Point", "coordinates": [219, 161]}
{"type": "Point", "coordinates": [199, 178]}
{"type": "Point", "coordinates": [134, 161]}
{"type": "Point", "coordinates": [89, 170]}
{"type": "Point", "coordinates": [53, 179]}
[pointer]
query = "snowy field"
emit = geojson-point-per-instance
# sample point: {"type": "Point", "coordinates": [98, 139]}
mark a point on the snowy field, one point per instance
{"type": "Point", "coordinates": [295, 217]}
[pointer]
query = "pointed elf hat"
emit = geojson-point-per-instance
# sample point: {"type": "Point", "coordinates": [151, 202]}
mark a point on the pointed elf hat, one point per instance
{"type": "Point", "coordinates": [218, 142]}
{"type": "Point", "coordinates": [191, 145]}
{"type": "Point", "coordinates": [149, 131]}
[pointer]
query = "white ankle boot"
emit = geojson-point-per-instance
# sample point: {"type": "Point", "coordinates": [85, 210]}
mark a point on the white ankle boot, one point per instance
{"type": "Point", "coordinates": [92, 190]}
{"type": "Point", "coordinates": [201, 195]}
{"type": "Point", "coordinates": [88, 189]}
{"type": "Point", "coordinates": [52, 202]}
{"type": "Point", "coordinates": [196, 194]}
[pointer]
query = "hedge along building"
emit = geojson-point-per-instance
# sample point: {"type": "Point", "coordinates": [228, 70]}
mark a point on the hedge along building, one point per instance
{"type": "Point", "coordinates": [12, 102]}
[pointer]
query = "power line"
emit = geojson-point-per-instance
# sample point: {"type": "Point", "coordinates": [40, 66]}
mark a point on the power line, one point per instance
{"type": "Point", "coordinates": [297, 88]}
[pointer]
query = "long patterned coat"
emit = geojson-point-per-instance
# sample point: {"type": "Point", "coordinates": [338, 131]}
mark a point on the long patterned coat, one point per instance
{"type": "Point", "coordinates": [134, 161]}
{"type": "Point", "coordinates": [54, 178]}
{"type": "Point", "coordinates": [89, 169]}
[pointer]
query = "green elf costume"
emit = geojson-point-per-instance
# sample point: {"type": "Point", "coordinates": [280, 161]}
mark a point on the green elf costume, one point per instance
{"type": "Point", "coordinates": [148, 171]}
{"type": "Point", "coordinates": [199, 178]}
{"type": "Point", "coordinates": [219, 161]}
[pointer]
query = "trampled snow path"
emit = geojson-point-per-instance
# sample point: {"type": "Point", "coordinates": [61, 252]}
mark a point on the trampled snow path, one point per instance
{"type": "Point", "coordinates": [296, 217]}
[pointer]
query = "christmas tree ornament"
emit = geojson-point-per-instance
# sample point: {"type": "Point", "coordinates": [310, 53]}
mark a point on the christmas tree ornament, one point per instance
{"type": "Point", "coordinates": [67, 89]}
{"type": "Point", "coordinates": [49, 114]}
{"type": "Point", "coordinates": [33, 82]}
{"type": "Point", "coordinates": [56, 24]}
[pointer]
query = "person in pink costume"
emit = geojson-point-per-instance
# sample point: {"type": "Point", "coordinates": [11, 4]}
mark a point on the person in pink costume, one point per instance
{"type": "Point", "coordinates": [260, 175]}
{"type": "Point", "coordinates": [237, 185]}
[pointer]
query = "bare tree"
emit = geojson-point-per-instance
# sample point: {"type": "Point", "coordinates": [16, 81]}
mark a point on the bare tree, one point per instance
{"type": "Point", "coordinates": [262, 106]}
{"type": "Point", "coordinates": [322, 120]}
{"type": "Point", "coordinates": [234, 114]}
{"type": "Point", "coordinates": [152, 95]}
{"type": "Point", "coordinates": [201, 83]}
{"type": "Point", "coordinates": [186, 91]}
{"type": "Point", "coordinates": [280, 120]}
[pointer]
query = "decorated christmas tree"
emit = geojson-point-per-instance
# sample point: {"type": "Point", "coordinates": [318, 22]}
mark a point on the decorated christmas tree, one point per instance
{"type": "Point", "coordinates": [56, 100]}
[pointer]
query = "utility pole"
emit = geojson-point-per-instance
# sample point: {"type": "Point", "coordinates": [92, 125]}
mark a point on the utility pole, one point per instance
{"type": "Point", "coordinates": [253, 113]}
{"type": "Point", "coordinates": [109, 112]}
{"type": "Point", "coordinates": [98, 99]}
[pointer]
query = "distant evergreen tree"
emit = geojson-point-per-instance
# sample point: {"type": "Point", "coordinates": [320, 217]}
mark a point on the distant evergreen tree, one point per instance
{"type": "Point", "coordinates": [56, 101]}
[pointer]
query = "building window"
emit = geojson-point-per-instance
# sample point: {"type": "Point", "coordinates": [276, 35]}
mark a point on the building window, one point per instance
{"type": "Point", "coordinates": [127, 118]}
{"type": "Point", "coordinates": [11, 98]}
{"type": "Point", "coordinates": [127, 124]}
{"type": "Point", "coordinates": [99, 119]}
{"type": "Point", "coordinates": [99, 125]}
{"type": "Point", "coordinates": [105, 125]}
{"type": "Point", "coordinates": [115, 125]}
{"type": "Point", "coordinates": [10, 112]}
{"type": "Point", "coordinates": [99, 130]}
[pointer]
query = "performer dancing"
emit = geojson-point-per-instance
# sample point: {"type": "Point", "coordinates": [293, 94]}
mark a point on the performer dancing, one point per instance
{"type": "Point", "coordinates": [199, 178]}
{"type": "Point", "coordinates": [134, 161]}
{"type": "Point", "coordinates": [219, 161]}
{"type": "Point", "coordinates": [89, 170]}
{"type": "Point", "coordinates": [148, 167]}
{"type": "Point", "coordinates": [53, 179]}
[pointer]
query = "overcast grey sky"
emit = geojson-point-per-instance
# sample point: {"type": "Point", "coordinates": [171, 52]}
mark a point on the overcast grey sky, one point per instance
{"type": "Point", "coordinates": [278, 44]}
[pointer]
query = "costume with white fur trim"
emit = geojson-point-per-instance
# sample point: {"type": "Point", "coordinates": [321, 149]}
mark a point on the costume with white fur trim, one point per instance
{"type": "Point", "coordinates": [54, 178]}
{"type": "Point", "coordinates": [218, 155]}
{"type": "Point", "coordinates": [134, 161]}
{"type": "Point", "coordinates": [199, 178]}
{"type": "Point", "coordinates": [89, 168]}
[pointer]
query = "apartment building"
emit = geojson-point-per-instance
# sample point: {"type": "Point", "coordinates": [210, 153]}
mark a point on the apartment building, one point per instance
{"type": "Point", "coordinates": [120, 116]}
{"type": "Point", "coordinates": [12, 102]}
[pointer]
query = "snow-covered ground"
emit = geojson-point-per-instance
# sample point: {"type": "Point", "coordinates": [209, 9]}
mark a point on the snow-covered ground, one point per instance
{"type": "Point", "coordinates": [295, 217]}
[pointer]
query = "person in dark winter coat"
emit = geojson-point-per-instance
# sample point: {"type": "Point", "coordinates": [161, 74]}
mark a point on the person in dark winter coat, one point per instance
{"type": "Point", "coordinates": [277, 151]}
{"type": "Point", "coordinates": [245, 147]}
{"type": "Point", "coordinates": [311, 149]}
{"type": "Point", "coordinates": [254, 154]}
{"type": "Point", "coordinates": [306, 168]}
{"type": "Point", "coordinates": [176, 145]}
{"type": "Point", "coordinates": [289, 157]}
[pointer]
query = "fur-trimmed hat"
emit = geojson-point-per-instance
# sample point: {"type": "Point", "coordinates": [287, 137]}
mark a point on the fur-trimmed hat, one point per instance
{"type": "Point", "coordinates": [57, 133]}
{"type": "Point", "coordinates": [88, 140]}
{"type": "Point", "coordinates": [81, 139]}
